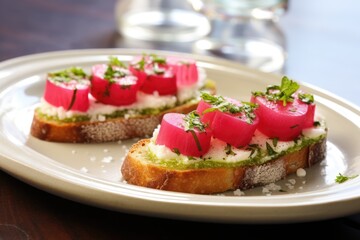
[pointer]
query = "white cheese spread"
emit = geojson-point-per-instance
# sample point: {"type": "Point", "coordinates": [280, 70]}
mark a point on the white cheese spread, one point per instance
{"type": "Point", "coordinates": [217, 151]}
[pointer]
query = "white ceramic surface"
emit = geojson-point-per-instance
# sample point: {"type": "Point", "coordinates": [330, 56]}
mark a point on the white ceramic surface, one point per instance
{"type": "Point", "coordinates": [89, 173]}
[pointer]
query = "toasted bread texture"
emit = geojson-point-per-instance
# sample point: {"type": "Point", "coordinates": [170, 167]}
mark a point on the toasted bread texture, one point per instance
{"type": "Point", "coordinates": [112, 129]}
{"type": "Point", "coordinates": [138, 170]}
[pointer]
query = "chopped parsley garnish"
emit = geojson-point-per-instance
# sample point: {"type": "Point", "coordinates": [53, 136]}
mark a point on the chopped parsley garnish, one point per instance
{"type": "Point", "coordinates": [176, 150]}
{"type": "Point", "coordinates": [254, 148]}
{"type": "Point", "coordinates": [275, 141]}
{"type": "Point", "coordinates": [341, 178]}
{"type": "Point", "coordinates": [113, 61]}
{"type": "Point", "coordinates": [282, 93]}
{"type": "Point", "coordinates": [115, 69]}
{"type": "Point", "coordinates": [140, 65]}
{"type": "Point", "coordinates": [111, 74]}
{"type": "Point", "coordinates": [157, 59]}
{"type": "Point", "coordinates": [306, 98]}
{"type": "Point", "coordinates": [73, 73]}
{"type": "Point", "coordinates": [223, 105]}
{"type": "Point", "coordinates": [151, 59]}
{"type": "Point", "coordinates": [270, 150]}
{"type": "Point", "coordinates": [316, 124]}
{"type": "Point", "coordinates": [192, 121]}
{"type": "Point", "coordinates": [73, 98]}
{"type": "Point", "coordinates": [158, 70]}
{"type": "Point", "coordinates": [228, 150]}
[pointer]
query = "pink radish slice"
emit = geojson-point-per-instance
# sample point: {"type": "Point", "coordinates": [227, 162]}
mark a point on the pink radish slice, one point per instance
{"type": "Point", "coordinates": [164, 84]}
{"type": "Point", "coordinates": [206, 117]}
{"type": "Point", "coordinates": [206, 113]}
{"type": "Point", "coordinates": [141, 75]}
{"type": "Point", "coordinates": [233, 129]}
{"type": "Point", "coordinates": [310, 115]}
{"type": "Point", "coordinates": [279, 121]}
{"type": "Point", "coordinates": [173, 135]}
{"type": "Point", "coordinates": [120, 90]}
{"type": "Point", "coordinates": [185, 70]}
{"type": "Point", "coordinates": [68, 89]}
{"type": "Point", "coordinates": [154, 75]}
{"type": "Point", "coordinates": [137, 68]}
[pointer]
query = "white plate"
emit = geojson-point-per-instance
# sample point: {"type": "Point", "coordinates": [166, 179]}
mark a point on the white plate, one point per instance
{"type": "Point", "coordinates": [59, 168]}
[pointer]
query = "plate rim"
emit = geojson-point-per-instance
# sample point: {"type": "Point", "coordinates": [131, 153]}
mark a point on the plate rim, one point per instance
{"type": "Point", "coordinates": [19, 169]}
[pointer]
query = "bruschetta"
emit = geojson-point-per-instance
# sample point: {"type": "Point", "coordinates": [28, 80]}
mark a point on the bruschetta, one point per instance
{"type": "Point", "coordinates": [226, 144]}
{"type": "Point", "coordinates": [117, 101]}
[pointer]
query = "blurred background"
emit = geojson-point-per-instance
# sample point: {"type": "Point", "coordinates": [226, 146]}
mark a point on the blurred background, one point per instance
{"type": "Point", "coordinates": [315, 41]}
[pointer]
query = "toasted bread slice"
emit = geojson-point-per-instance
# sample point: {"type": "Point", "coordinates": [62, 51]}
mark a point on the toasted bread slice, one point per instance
{"type": "Point", "coordinates": [113, 129]}
{"type": "Point", "coordinates": [138, 169]}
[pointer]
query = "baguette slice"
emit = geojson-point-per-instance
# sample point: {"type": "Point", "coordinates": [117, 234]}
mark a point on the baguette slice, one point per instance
{"type": "Point", "coordinates": [137, 170]}
{"type": "Point", "coordinates": [113, 129]}
{"type": "Point", "coordinates": [110, 130]}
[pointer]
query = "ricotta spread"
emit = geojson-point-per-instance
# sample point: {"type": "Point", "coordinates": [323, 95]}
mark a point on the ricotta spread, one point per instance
{"type": "Point", "coordinates": [219, 150]}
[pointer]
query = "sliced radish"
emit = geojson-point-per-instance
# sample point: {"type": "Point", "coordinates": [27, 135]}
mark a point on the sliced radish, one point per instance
{"type": "Point", "coordinates": [230, 120]}
{"type": "Point", "coordinates": [279, 121]}
{"type": "Point", "coordinates": [162, 84]}
{"type": "Point", "coordinates": [113, 85]}
{"type": "Point", "coordinates": [309, 100]}
{"type": "Point", "coordinates": [283, 112]}
{"type": "Point", "coordinates": [68, 89]}
{"type": "Point", "coordinates": [141, 75]}
{"type": "Point", "coordinates": [137, 67]}
{"type": "Point", "coordinates": [210, 104]}
{"type": "Point", "coordinates": [206, 116]}
{"type": "Point", "coordinates": [186, 70]}
{"type": "Point", "coordinates": [154, 75]}
{"type": "Point", "coordinates": [310, 115]}
{"type": "Point", "coordinates": [234, 129]}
{"type": "Point", "coordinates": [176, 135]}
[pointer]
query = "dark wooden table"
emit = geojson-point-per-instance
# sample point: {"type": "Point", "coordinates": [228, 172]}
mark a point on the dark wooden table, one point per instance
{"type": "Point", "coordinates": [323, 49]}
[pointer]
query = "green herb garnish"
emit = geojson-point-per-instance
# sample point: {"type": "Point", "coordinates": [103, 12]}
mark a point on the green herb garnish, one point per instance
{"type": "Point", "coordinates": [140, 65]}
{"type": "Point", "coordinates": [228, 150]}
{"type": "Point", "coordinates": [158, 70]}
{"type": "Point", "coordinates": [192, 121]}
{"type": "Point", "coordinates": [316, 124]}
{"type": "Point", "coordinates": [341, 178]}
{"type": "Point", "coordinates": [275, 141]}
{"type": "Point", "coordinates": [270, 150]}
{"type": "Point", "coordinates": [306, 98]}
{"type": "Point", "coordinates": [254, 148]}
{"type": "Point", "coordinates": [223, 105]}
{"type": "Point", "coordinates": [73, 98]}
{"type": "Point", "coordinates": [111, 74]}
{"type": "Point", "coordinates": [74, 73]}
{"type": "Point", "coordinates": [176, 150]}
{"type": "Point", "coordinates": [157, 59]}
{"type": "Point", "coordinates": [113, 61]}
{"type": "Point", "coordinates": [282, 93]}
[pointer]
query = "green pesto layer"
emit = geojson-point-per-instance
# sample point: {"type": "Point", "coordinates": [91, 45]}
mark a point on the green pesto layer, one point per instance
{"type": "Point", "coordinates": [131, 113]}
{"type": "Point", "coordinates": [259, 156]}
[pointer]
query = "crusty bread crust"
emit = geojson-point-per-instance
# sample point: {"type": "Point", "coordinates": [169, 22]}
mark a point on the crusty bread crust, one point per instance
{"type": "Point", "coordinates": [137, 171]}
{"type": "Point", "coordinates": [114, 129]}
